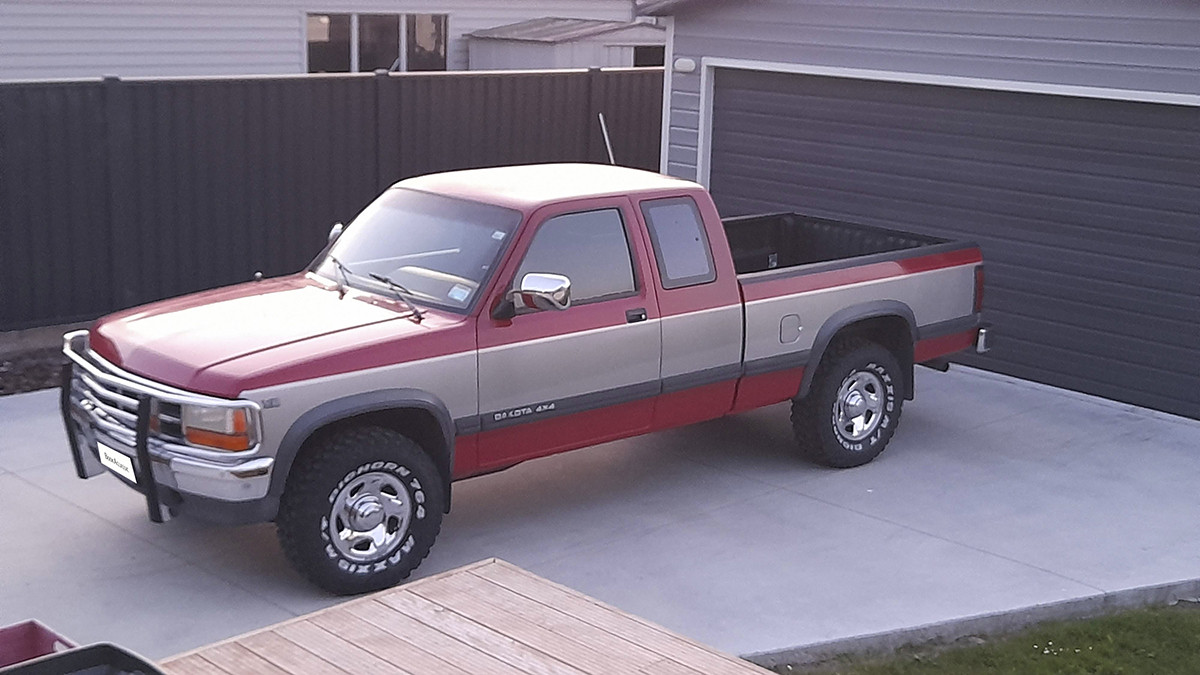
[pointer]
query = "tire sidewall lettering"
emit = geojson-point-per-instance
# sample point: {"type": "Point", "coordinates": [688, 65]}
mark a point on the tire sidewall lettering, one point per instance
{"type": "Point", "coordinates": [885, 421]}
{"type": "Point", "coordinates": [395, 557]}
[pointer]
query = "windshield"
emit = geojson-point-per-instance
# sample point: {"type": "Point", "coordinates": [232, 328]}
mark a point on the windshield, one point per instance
{"type": "Point", "coordinates": [441, 250]}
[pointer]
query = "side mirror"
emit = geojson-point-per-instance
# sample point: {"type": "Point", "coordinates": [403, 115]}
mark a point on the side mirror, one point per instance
{"type": "Point", "coordinates": [335, 232]}
{"type": "Point", "coordinates": [538, 292]}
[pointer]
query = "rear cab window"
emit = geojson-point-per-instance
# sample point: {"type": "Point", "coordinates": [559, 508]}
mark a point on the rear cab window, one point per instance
{"type": "Point", "coordinates": [680, 242]}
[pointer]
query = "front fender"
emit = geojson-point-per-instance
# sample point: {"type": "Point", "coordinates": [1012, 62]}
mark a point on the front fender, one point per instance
{"type": "Point", "coordinates": [358, 404]}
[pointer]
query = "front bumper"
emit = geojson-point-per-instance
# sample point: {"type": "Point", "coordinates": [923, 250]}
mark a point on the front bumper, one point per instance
{"type": "Point", "coordinates": [106, 408]}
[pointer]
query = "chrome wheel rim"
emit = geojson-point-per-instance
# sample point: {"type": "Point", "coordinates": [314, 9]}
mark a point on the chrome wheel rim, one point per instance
{"type": "Point", "coordinates": [859, 406]}
{"type": "Point", "coordinates": [370, 517]}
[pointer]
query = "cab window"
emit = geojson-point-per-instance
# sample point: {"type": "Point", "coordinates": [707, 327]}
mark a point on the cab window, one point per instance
{"type": "Point", "coordinates": [590, 248]}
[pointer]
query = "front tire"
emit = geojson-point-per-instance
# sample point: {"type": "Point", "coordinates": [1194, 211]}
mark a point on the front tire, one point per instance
{"type": "Point", "coordinates": [853, 407]}
{"type": "Point", "coordinates": [360, 511]}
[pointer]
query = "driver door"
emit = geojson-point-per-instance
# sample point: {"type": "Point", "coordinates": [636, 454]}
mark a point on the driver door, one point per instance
{"type": "Point", "coordinates": [554, 380]}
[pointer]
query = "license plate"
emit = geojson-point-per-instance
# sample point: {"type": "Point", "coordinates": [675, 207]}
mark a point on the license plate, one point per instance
{"type": "Point", "coordinates": [114, 460]}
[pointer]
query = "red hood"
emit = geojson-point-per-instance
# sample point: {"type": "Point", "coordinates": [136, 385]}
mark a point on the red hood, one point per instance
{"type": "Point", "coordinates": [228, 340]}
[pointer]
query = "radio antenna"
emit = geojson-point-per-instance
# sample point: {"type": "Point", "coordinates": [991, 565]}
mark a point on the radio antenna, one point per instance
{"type": "Point", "coordinates": [607, 141]}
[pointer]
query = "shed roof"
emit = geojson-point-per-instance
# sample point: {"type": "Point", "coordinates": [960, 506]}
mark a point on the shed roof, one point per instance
{"type": "Point", "coordinates": [554, 30]}
{"type": "Point", "coordinates": [662, 7]}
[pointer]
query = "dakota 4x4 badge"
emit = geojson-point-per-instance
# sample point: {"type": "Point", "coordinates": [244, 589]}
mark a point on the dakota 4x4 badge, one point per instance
{"type": "Point", "coordinates": [522, 412]}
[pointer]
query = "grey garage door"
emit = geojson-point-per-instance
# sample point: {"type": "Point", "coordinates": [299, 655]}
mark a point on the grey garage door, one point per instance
{"type": "Point", "coordinates": [1088, 210]}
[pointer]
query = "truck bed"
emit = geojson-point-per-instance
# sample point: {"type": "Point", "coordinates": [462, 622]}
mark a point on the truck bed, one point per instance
{"type": "Point", "coordinates": [781, 240]}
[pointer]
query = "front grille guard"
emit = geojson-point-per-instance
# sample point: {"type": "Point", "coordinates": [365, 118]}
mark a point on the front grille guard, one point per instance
{"type": "Point", "coordinates": [139, 437]}
{"type": "Point", "coordinates": [144, 471]}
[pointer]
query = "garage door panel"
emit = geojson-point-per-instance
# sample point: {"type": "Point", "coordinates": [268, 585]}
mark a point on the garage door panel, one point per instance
{"type": "Point", "coordinates": [874, 146]}
{"type": "Point", "coordinates": [1098, 142]}
{"type": "Point", "coordinates": [915, 205]}
{"type": "Point", "coordinates": [1103, 369]}
{"type": "Point", "coordinates": [1132, 334]}
{"type": "Point", "coordinates": [1177, 307]}
{"type": "Point", "coordinates": [987, 168]}
{"type": "Point", "coordinates": [1096, 209]}
{"type": "Point", "coordinates": [1088, 211]}
{"type": "Point", "coordinates": [1048, 120]}
{"type": "Point", "coordinates": [1047, 365]}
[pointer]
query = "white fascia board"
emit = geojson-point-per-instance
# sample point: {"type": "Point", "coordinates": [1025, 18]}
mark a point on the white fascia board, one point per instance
{"type": "Point", "coordinates": [664, 150]}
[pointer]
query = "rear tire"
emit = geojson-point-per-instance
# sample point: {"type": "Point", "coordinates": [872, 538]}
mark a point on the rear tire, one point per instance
{"type": "Point", "coordinates": [361, 510]}
{"type": "Point", "coordinates": [853, 407]}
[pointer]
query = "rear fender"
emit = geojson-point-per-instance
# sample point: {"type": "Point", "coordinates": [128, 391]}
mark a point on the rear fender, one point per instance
{"type": "Point", "coordinates": [849, 316]}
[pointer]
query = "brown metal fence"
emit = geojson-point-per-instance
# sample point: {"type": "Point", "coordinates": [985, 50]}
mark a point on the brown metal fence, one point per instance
{"type": "Point", "coordinates": [119, 192]}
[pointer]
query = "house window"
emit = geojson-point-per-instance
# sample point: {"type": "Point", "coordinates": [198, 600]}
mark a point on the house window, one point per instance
{"type": "Point", "coordinates": [649, 55]}
{"type": "Point", "coordinates": [328, 43]}
{"type": "Point", "coordinates": [378, 41]}
{"type": "Point", "coordinates": [347, 43]}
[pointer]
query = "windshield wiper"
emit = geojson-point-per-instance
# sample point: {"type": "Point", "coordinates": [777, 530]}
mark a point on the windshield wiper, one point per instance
{"type": "Point", "coordinates": [402, 294]}
{"type": "Point", "coordinates": [344, 283]}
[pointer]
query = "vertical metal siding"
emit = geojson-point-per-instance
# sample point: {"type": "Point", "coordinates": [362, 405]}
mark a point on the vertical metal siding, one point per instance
{"type": "Point", "coordinates": [53, 202]}
{"type": "Point", "coordinates": [120, 192]}
{"type": "Point", "coordinates": [1086, 210]}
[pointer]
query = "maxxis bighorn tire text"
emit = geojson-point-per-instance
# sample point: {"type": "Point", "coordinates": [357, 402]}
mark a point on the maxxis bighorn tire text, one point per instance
{"type": "Point", "coordinates": [345, 503]}
{"type": "Point", "coordinates": [853, 407]}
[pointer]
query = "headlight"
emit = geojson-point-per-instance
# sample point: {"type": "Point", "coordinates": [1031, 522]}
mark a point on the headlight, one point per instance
{"type": "Point", "coordinates": [220, 427]}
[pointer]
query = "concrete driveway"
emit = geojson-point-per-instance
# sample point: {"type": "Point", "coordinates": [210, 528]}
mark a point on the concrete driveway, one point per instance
{"type": "Point", "coordinates": [995, 495]}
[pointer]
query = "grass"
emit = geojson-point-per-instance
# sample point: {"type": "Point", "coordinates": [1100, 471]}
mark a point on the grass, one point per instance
{"type": "Point", "coordinates": [1159, 641]}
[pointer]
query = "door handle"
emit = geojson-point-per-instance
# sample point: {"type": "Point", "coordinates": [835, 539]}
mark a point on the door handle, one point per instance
{"type": "Point", "coordinates": [635, 315]}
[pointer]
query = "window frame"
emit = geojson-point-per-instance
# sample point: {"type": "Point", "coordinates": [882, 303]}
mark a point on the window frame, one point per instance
{"type": "Point", "coordinates": [636, 291]}
{"type": "Point", "coordinates": [355, 67]}
{"type": "Point", "coordinates": [664, 281]}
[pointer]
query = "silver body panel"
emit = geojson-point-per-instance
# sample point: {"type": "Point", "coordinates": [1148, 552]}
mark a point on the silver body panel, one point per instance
{"type": "Point", "coordinates": [451, 378]}
{"type": "Point", "coordinates": [560, 367]}
{"type": "Point", "coordinates": [702, 340]}
{"type": "Point", "coordinates": [934, 296]}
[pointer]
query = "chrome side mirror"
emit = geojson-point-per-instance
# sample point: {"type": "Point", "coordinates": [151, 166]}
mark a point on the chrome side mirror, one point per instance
{"type": "Point", "coordinates": [542, 292]}
{"type": "Point", "coordinates": [335, 232]}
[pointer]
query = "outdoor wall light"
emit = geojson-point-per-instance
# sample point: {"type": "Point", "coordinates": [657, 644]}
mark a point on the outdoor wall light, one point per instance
{"type": "Point", "coordinates": [685, 65]}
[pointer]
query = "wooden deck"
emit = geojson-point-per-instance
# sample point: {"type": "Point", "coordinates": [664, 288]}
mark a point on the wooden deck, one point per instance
{"type": "Point", "coordinates": [489, 617]}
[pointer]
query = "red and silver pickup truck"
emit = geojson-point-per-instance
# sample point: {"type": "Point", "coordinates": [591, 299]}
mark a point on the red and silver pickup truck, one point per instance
{"type": "Point", "coordinates": [468, 321]}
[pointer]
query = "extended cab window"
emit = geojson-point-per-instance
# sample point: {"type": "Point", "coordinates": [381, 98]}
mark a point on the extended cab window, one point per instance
{"type": "Point", "coordinates": [680, 242]}
{"type": "Point", "coordinates": [589, 248]}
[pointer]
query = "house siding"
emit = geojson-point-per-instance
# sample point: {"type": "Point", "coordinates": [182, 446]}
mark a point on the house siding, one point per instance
{"type": "Point", "coordinates": [1112, 44]}
{"type": "Point", "coordinates": [136, 38]}
{"type": "Point", "coordinates": [1061, 135]}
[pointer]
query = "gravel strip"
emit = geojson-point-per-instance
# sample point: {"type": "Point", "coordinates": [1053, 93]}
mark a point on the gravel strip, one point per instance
{"type": "Point", "coordinates": [31, 370]}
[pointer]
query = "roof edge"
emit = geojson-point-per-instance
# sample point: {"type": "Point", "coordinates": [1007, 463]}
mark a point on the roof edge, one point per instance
{"type": "Point", "coordinates": [662, 7]}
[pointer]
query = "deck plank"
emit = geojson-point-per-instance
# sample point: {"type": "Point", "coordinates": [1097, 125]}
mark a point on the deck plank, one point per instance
{"type": "Point", "coordinates": [235, 658]}
{"type": "Point", "coordinates": [489, 617]}
{"type": "Point", "coordinates": [287, 655]}
{"type": "Point", "coordinates": [383, 644]}
{"type": "Point", "coordinates": [668, 667]}
{"type": "Point", "coordinates": [460, 654]}
{"type": "Point", "coordinates": [496, 643]}
{"type": "Point", "coordinates": [652, 637]}
{"type": "Point", "coordinates": [560, 621]}
{"type": "Point", "coordinates": [339, 652]}
{"type": "Point", "coordinates": [487, 604]}
{"type": "Point", "coordinates": [194, 664]}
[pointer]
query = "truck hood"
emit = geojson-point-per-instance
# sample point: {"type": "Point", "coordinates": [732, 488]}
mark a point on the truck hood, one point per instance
{"type": "Point", "coordinates": [225, 341]}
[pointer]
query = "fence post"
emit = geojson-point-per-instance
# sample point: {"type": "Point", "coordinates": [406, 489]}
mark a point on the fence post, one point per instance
{"type": "Point", "coordinates": [387, 131]}
{"type": "Point", "coordinates": [120, 225]}
{"type": "Point", "coordinates": [595, 140]}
